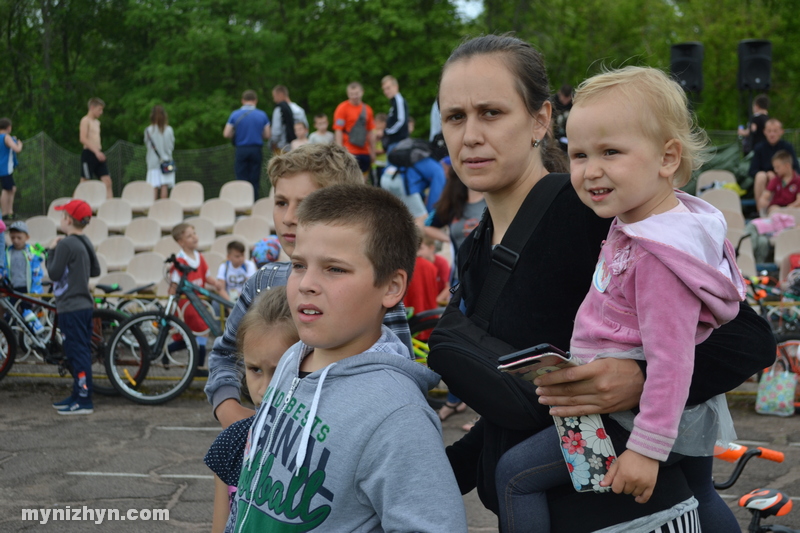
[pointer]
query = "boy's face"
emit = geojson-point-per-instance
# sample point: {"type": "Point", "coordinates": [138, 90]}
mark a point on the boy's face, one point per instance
{"type": "Point", "coordinates": [236, 258]}
{"type": "Point", "coordinates": [782, 168]}
{"type": "Point", "coordinates": [289, 192]}
{"type": "Point", "coordinates": [332, 294]}
{"type": "Point", "coordinates": [96, 111]}
{"type": "Point", "coordinates": [263, 349]}
{"type": "Point", "coordinates": [321, 124]}
{"type": "Point", "coordinates": [188, 240]}
{"type": "Point", "coordinates": [18, 239]}
{"type": "Point", "coordinates": [66, 222]}
{"type": "Point", "coordinates": [428, 251]}
{"type": "Point", "coordinates": [300, 130]}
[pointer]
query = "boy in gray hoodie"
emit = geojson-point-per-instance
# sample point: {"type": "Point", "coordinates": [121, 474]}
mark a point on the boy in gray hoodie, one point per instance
{"type": "Point", "coordinates": [344, 439]}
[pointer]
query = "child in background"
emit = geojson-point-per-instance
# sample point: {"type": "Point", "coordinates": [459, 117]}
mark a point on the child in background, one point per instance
{"type": "Point", "coordinates": [234, 272]}
{"type": "Point", "coordinates": [428, 249]}
{"type": "Point", "coordinates": [321, 135]}
{"type": "Point", "coordinates": [358, 463]}
{"type": "Point", "coordinates": [265, 332]}
{"type": "Point", "coordinates": [301, 132]}
{"type": "Point", "coordinates": [784, 189]}
{"type": "Point", "coordinates": [70, 262]}
{"type": "Point", "coordinates": [23, 265]}
{"type": "Point", "coordinates": [186, 237]}
{"type": "Point", "coordinates": [631, 142]}
{"type": "Point", "coordinates": [9, 148]}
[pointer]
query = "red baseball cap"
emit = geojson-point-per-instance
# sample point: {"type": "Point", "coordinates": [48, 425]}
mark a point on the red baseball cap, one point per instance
{"type": "Point", "coordinates": [77, 209]}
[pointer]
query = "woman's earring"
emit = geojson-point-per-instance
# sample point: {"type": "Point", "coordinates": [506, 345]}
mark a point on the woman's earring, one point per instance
{"type": "Point", "coordinates": [536, 143]}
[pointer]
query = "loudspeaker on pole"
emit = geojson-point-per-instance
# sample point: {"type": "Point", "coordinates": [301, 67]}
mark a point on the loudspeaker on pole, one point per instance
{"type": "Point", "coordinates": [686, 65]}
{"type": "Point", "coordinates": [755, 64]}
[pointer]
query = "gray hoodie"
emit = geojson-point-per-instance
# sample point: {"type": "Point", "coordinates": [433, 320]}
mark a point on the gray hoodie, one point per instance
{"type": "Point", "coordinates": [355, 448]}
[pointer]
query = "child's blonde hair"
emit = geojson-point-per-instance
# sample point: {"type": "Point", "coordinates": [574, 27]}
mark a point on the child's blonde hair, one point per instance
{"type": "Point", "coordinates": [270, 309]}
{"type": "Point", "coordinates": [328, 164]}
{"type": "Point", "coordinates": [668, 115]}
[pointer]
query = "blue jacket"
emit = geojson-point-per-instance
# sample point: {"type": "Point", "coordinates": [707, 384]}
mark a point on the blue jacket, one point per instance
{"type": "Point", "coordinates": [34, 271]}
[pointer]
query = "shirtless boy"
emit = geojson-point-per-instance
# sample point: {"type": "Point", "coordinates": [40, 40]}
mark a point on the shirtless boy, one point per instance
{"type": "Point", "coordinates": [93, 160]}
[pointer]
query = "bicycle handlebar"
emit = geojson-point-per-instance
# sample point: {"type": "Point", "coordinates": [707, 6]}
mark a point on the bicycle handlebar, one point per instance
{"type": "Point", "coordinates": [736, 453]}
{"type": "Point", "coordinates": [182, 267]}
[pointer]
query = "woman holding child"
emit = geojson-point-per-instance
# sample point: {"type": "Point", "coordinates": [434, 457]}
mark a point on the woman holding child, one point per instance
{"type": "Point", "coordinates": [495, 111]}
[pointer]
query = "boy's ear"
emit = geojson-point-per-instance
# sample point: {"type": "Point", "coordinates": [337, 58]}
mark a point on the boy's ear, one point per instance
{"type": "Point", "coordinates": [671, 158]}
{"type": "Point", "coordinates": [395, 289]}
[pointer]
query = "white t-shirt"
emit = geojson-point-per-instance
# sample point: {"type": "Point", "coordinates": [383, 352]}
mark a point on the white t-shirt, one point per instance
{"type": "Point", "coordinates": [234, 277]}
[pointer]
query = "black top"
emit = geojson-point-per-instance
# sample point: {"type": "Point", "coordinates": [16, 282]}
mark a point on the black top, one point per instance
{"type": "Point", "coordinates": [762, 156]}
{"type": "Point", "coordinates": [539, 304]}
{"type": "Point", "coordinates": [226, 454]}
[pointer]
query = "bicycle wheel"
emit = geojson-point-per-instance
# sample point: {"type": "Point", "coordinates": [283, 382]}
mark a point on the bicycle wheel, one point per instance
{"type": "Point", "coordinates": [8, 348]}
{"type": "Point", "coordinates": [104, 325]}
{"type": "Point", "coordinates": [135, 305]}
{"type": "Point", "coordinates": [145, 374]}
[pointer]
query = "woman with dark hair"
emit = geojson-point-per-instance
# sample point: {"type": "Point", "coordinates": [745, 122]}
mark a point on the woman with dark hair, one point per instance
{"type": "Point", "coordinates": [494, 102]}
{"type": "Point", "coordinates": [160, 142]}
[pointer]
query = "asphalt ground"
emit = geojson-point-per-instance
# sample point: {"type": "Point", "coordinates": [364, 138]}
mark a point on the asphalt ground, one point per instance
{"type": "Point", "coordinates": [142, 458]}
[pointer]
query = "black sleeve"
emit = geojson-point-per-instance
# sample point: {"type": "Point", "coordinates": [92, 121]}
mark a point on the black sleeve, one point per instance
{"type": "Point", "coordinates": [464, 456]}
{"type": "Point", "coordinates": [732, 353]}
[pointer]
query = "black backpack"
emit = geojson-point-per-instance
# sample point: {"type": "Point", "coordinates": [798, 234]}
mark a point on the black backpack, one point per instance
{"type": "Point", "coordinates": [409, 152]}
{"type": "Point", "coordinates": [288, 122]}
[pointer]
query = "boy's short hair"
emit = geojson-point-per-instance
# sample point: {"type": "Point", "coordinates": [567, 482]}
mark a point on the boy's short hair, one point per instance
{"type": "Point", "coordinates": [391, 238]}
{"type": "Point", "coordinates": [762, 101]}
{"type": "Point", "coordinates": [5, 123]}
{"type": "Point", "coordinates": [270, 309]}
{"type": "Point", "coordinates": [389, 78]}
{"type": "Point", "coordinates": [95, 101]}
{"type": "Point", "coordinates": [381, 117]}
{"type": "Point", "coordinates": [321, 115]}
{"type": "Point", "coordinates": [179, 230]}
{"type": "Point", "coordinates": [668, 117]}
{"type": "Point", "coordinates": [566, 90]}
{"type": "Point", "coordinates": [282, 89]}
{"type": "Point", "coordinates": [249, 96]}
{"type": "Point", "coordinates": [235, 246]}
{"type": "Point", "coordinates": [355, 84]}
{"type": "Point", "coordinates": [300, 122]}
{"type": "Point", "coordinates": [783, 156]}
{"type": "Point", "coordinates": [328, 164]}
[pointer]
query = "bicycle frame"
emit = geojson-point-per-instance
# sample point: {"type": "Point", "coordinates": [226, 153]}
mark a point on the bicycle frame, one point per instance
{"type": "Point", "coordinates": [36, 341]}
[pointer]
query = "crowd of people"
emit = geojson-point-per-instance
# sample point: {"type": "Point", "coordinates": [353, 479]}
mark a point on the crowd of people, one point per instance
{"type": "Point", "coordinates": [573, 235]}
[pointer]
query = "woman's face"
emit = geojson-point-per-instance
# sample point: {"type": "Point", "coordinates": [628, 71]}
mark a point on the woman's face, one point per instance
{"type": "Point", "coordinates": [487, 127]}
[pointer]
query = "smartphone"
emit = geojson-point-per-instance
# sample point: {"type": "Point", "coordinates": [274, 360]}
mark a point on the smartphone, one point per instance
{"type": "Point", "coordinates": [535, 361]}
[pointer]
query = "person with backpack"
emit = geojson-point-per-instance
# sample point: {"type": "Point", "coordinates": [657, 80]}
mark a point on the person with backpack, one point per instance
{"type": "Point", "coordinates": [353, 127]}
{"type": "Point", "coordinates": [422, 174]}
{"type": "Point", "coordinates": [286, 114]}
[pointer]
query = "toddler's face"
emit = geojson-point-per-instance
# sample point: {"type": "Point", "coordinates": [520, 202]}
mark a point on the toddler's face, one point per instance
{"type": "Point", "coordinates": [189, 239]}
{"type": "Point", "coordinates": [300, 130]}
{"type": "Point", "coordinates": [321, 124]}
{"type": "Point", "coordinates": [18, 239]}
{"type": "Point", "coordinates": [263, 349]}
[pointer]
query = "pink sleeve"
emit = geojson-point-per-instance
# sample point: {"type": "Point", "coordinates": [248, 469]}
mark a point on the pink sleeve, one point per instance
{"type": "Point", "coordinates": [669, 314]}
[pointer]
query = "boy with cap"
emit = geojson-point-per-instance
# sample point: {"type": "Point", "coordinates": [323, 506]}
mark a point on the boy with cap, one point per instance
{"type": "Point", "coordinates": [23, 266]}
{"type": "Point", "coordinates": [70, 262]}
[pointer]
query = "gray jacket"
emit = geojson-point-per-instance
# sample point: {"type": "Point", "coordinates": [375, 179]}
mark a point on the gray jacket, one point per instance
{"type": "Point", "coordinates": [226, 370]}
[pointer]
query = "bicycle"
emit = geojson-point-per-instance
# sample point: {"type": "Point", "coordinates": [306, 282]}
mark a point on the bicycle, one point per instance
{"type": "Point", "coordinates": [46, 346]}
{"type": "Point", "coordinates": [166, 365]}
{"type": "Point", "coordinates": [762, 503]}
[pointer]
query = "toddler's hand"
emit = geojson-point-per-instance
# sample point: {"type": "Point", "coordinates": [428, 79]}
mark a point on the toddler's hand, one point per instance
{"type": "Point", "coordinates": [632, 473]}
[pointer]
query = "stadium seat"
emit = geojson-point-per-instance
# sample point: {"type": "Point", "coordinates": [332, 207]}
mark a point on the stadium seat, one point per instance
{"type": "Point", "coordinates": [139, 194]}
{"type": "Point", "coordinates": [41, 229]}
{"type": "Point", "coordinates": [220, 245]}
{"type": "Point", "coordinates": [97, 231]}
{"type": "Point", "coordinates": [723, 199]}
{"type": "Point", "coordinates": [709, 177]}
{"type": "Point", "coordinates": [189, 194]}
{"type": "Point", "coordinates": [734, 219]}
{"type": "Point", "coordinates": [253, 228]}
{"type": "Point", "coordinates": [147, 267]}
{"type": "Point", "coordinates": [205, 231]}
{"type": "Point", "coordinates": [144, 232]}
{"type": "Point", "coordinates": [103, 271]}
{"type": "Point", "coordinates": [167, 246]}
{"type": "Point", "coordinates": [93, 192]}
{"type": "Point", "coordinates": [786, 242]}
{"type": "Point", "coordinates": [125, 281]}
{"type": "Point", "coordinates": [220, 212]}
{"type": "Point", "coordinates": [118, 251]}
{"type": "Point", "coordinates": [240, 194]}
{"type": "Point", "coordinates": [214, 260]}
{"type": "Point", "coordinates": [168, 213]}
{"type": "Point", "coordinates": [117, 214]}
{"type": "Point", "coordinates": [265, 207]}
{"type": "Point", "coordinates": [54, 215]}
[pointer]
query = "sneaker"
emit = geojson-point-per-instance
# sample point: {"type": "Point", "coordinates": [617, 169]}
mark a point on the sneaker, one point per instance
{"type": "Point", "coordinates": [66, 402]}
{"type": "Point", "coordinates": [77, 408]}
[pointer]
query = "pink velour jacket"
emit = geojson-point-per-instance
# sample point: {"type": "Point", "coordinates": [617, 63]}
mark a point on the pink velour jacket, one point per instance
{"type": "Point", "coordinates": [661, 285]}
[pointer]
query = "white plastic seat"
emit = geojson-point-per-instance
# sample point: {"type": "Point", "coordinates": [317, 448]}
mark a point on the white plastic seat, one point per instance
{"type": "Point", "coordinates": [118, 251]}
{"type": "Point", "coordinates": [205, 231]}
{"type": "Point", "coordinates": [220, 245]}
{"type": "Point", "coordinates": [220, 212]}
{"type": "Point", "coordinates": [144, 232]}
{"type": "Point", "coordinates": [117, 214]}
{"type": "Point", "coordinates": [146, 267]}
{"type": "Point", "coordinates": [786, 242]}
{"type": "Point", "coordinates": [239, 193]}
{"type": "Point", "coordinates": [723, 199]}
{"type": "Point", "coordinates": [41, 229]}
{"type": "Point", "coordinates": [103, 270]}
{"type": "Point", "coordinates": [125, 281]}
{"type": "Point", "coordinates": [54, 215]}
{"type": "Point", "coordinates": [96, 231]}
{"type": "Point", "coordinates": [168, 213]}
{"type": "Point", "coordinates": [708, 177]}
{"type": "Point", "coordinates": [139, 194]}
{"type": "Point", "coordinates": [734, 219]}
{"type": "Point", "coordinates": [747, 264]}
{"type": "Point", "coordinates": [253, 228]}
{"type": "Point", "coordinates": [265, 207]}
{"type": "Point", "coordinates": [190, 194]}
{"type": "Point", "coordinates": [167, 246]}
{"type": "Point", "coordinates": [214, 260]}
{"type": "Point", "coordinates": [93, 192]}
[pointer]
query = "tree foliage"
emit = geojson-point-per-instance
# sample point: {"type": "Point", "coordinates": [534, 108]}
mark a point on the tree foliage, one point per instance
{"type": "Point", "coordinates": [197, 56]}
